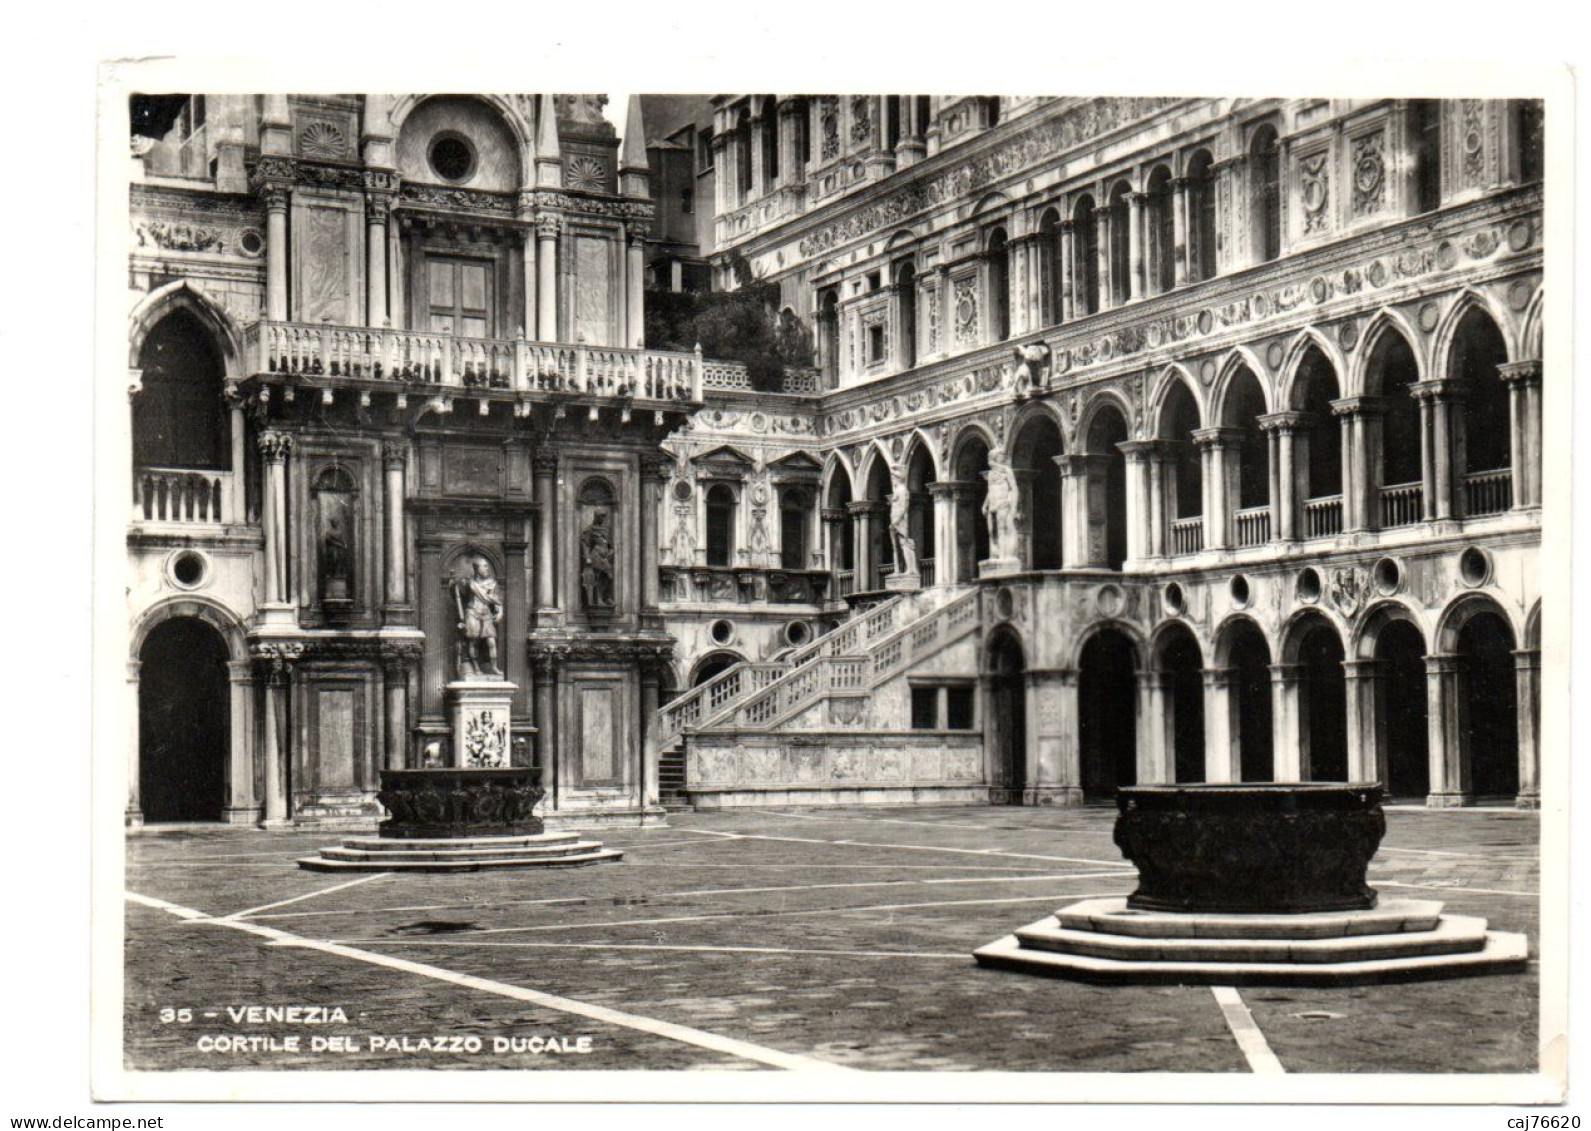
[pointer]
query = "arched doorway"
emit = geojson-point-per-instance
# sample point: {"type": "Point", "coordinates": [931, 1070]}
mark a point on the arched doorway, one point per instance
{"type": "Point", "coordinates": [1250, 505]}
{"type": "Point", "coordinates": [1477, 351]}
{"type": "Point", "coordinates": [1248, 658]}
{"type": "Point", "coordinates": [1085, 257]}
{"type": "Point", "coordinates": [920, 479]}
{"type": "Point", "coordinates": [1322, 702]}
{"type": "Point", "coordinates": [1160, 231]}
{"type": "Point", "coordinates": [1184, 473]}
{"type": "Point", "coordinates": [179, 416]}
{"type": "Point", "coordinates": [713, 664]}
{"type": "Point", "coordinates": [1401, 710]}
{"type": "Point", "coordinates": [972, 529]}
{"type": "Point", "coordinates": [880, 546]}
{"type": "Point", "coordinates": [1390, 371]}
{"type": "Point", "coordinates": [1107, 700]}
{"type": "Point", "coordinates": [1314, 388]}
{"type": "Point", "coordinates": [184, 722]}
{"type": "Point", "coordinates": [1033, 455]}
{"type": "Point", "coordinates": [1007, 718]}
{"type": "Point", "coordinates": [906, 296]}
{"type": "Point", "coordinates": [1489, 705]}
{"type": "Point", "coordinates": [1121, 288]}
{"type": "Point", "coordinates": [1107, 488]}
{"type": "Point", "coordinates": [999, 286]}
{"type": "Point", "coordinates": [838, 520]}
{"type": "Point", "coordinates": [1182, 668]}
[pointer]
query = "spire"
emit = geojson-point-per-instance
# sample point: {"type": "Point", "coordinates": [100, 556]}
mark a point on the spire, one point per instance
{"type": "Point", "coordinates": [549, 164]}
{"type": "Point", "coordinates": [633, 155]}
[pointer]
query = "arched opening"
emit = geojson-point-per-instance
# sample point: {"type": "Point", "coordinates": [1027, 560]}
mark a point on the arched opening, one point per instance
{"type": "Point", "coordinates": [1107, 701]}
{"type": "Point", "coordinates": [1049, 280]}
{"type": "Point", "coordinates": [795, 525]}
{"type": "Point", "coordinates": [1489, 705]}
{"type": "Point", "coordinates": [842, 546]}
{"type": "Point", "coordinates": [720, 525]}
{"type": "Point", "coordinates": [1425, 139]}
{"type": "Point", "coordinates": [1120, 245]}
{"type": "Point", "coordinates": [1401, 710]}
{"type": "Point", "coordinates": [1184, 474]}
{"type": "Point", "coordinates": [1249, 659]}
{"type": "Point", "coordinates": [179, 418]}
{"type": "Point", "coordinates": [1039, 478]}
{"type": "Point", "coordinates": [880, 546]}
{"type": "Point", "coordinates": [1390, 373]}
{"type": "Point", "coordinates": [1477, 350]}
{"type": "Point", "coordinates": [183, 722]}
{"type": "Point", "coordinates": [1530, 134]}
{"type": "Point", "coordinates": [743, 166]}
{"type": "Point", "coordinates": [1085, 256]}
{"type": "Point", "coordinates": [1265, 193]}
{"type": "Point", "coordinates": [999, 286]}
{"type": "Point", "coordinates": [1162, 231]}
{"type": "Point", "coordinates": [713, 664]}
{"type": "Point", "coordinates": [920, 478]}
{"type": "Point", "coordinates": [906, 299]}
{"type": "Point", "coordinates": [769, 125]}
{"type": "Point", "coordinates": [1107, 488]}
{"type": "Point", "coordinates": [1244, 405]}
{"type": "Point", "coordinates": [1314, 388]}
{"type": "Point", "coordinates": [1182, 667]}
{"type": "Point", "coordinates": [829, 336]}
{"type": "Point", "coordinates": [1007, 718]}
{"type": "Point", "coordinates": [972, 531]}
{"type": "Point", "coordinates": [1201, 217]}
{"type": "Point", "coordinates": [1322, 702]}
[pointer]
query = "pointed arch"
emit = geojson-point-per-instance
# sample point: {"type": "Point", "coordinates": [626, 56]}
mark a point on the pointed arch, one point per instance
{"type": "Point", "coordinates": [972, 432]}
{"type": "Point", "coordinates": [1161, 390]}
{"type": "Point", "coordinates": [921, 440]}
{"type": "Point", "coordinates": [1038, 409]}
{"type": "Point", "coordinates": [1468, 301]}
{"type": "Point", "coordinates": [1288, 394]}
{"type": "Point", "coordinates": [872, 459]}
{"type": "Point", "coordinates": [184, 295]}
{"type": "Point", "coordinates": [1530, 333]}
{"type": "Point", "coordinates": [1385, 321]}
{"type": "Point", "coordinates": [1232, 366]}
{"type": "Point", "coordinates": [837, 474]}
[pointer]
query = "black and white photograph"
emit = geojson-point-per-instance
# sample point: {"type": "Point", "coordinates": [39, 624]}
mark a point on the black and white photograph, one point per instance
{"type": "Point", "coordinates": [876, 593]}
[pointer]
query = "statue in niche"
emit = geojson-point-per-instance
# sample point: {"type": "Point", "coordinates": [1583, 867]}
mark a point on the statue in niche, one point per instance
{"type": "Point", "coordinates": [335, 562]}
{"type": "Point", "coordinates": [480, 609]}
{"type": "Point", "coordinates": [900, 510]}
{"type": "Point", "coordinates": [684, 551]}
{"type": "Point", "coordinates": [1000, 506]}
{"type": "Point", "coordinates": [596, 562]}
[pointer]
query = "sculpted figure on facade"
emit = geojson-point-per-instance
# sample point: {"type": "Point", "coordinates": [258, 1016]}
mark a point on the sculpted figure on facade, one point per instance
{"type": "Point", "coordinates": [596, 562]}
{"type": "Point", "coordinates": [1032, 368]}
{"type": "Point", "coordinates": [480, 610]}
{"type": "Point", "coordinates": [900, 528]}
{"type": "Point", "coordinates": [1000, 506]}
{"type": "Point", "coordinates": [335, 567]}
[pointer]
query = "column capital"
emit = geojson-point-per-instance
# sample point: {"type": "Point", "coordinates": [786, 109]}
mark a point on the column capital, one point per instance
{"type": "Point", "coordinates": [1136, 198]}
{"type": "Point", "coordinates": [1520, 372]}
{"type": "Point", "coordinates": [654, 467]}
{"type": "Point", "coordinates": [1439, 389]}
{"type": "Point", "coordinates": [1358, 406]}
{"type": "Point", "coordinates": [1289, 421]}
{"type": "Point", "coordinates": [1217, 436]}
{"type": "Point", "coordinates": [1363, 669]}
{"type": "Point", "coordinates": [1081, 463]}
{"type": "Point", "coordinates": [834, 514]}
{"type": "Point", "coordinates": [1145, 451]}
{"type": "Point", "coordinates": [1067, 226]}
{"type": "Point", "coordinates": [548, 225]}
{"type": "Point", "coordinates": [378, 207]}
{"type": "Point", "coordinates": [1446, 663]}
{"type": "Point", "coordinates": [134, 667]}
{"type": "Point", "coordinates": [275, 446]}
{"type": "Point", "coordinates": [1220, 677]}
{"type": "Point", "coordinates": [1527, 659]}
{"type": "Point", "coordinates": [394, 453]}
{"type": "Point", "coordinates": [544, 464]}
{"type": "Point", "coordinates": [1286, 673]}
{"type": "Point", "coordinates": [865, 507]}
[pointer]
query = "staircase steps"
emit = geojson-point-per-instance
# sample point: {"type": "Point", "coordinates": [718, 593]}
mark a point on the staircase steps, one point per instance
{"type": "Point", "coordinates": [464, 854]}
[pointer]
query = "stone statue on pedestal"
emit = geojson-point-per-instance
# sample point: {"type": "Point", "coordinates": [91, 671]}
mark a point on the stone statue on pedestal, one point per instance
{"type": "Point", "coordinates": [1000, 506]}
{"type": "Point", "coordinates": [480, 609]}
{"type": "Point", "coordinates": [900, 529]}
{"type": "Point", "coordinates": [596, 562]}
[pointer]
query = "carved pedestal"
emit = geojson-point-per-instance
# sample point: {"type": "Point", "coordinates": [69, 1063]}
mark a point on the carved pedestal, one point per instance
{"type": "Point", "coordinates": [457, 803]}
{"type": "Point", "coordinates": [480, 712]}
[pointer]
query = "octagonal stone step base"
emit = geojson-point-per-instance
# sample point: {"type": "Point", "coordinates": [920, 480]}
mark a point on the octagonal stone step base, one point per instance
{"type": "Point", "coordinates": [462, 854]}
{"type": "Point", "coordinates": [1100, 940]}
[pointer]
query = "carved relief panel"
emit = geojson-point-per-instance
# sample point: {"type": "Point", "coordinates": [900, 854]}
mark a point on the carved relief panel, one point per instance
{"type": "Point", "coordinates": [328, 275]}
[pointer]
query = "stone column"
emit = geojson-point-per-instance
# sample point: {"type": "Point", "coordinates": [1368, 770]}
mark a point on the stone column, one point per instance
{"type": "Point", "coordinates": [545, 470]}
{"type": "Point", "coordinates": [134, 817]}
{"type": "Point", "coordinates": [1222, 726]}
{"type": "Point", "coordinates": [1076, 522]}
{"type": "Point", "coordinates": [548, 227]}
{"type": "Point", "coordinates": [1181, 257]}
{"type": "Point", "coordinates": [1447, 726]}
{"type": "Point", "coordinates": [1066, 283]}
{"type": "Point", "coordinates": [528, 272]}
{"type": "Point", "coordinates": [1058, 780]}
{"type": "Point", "coordinates": [635, 317]}
{"type": "Point", "coordinates": [1527, 669]}
{"type": "Point", "coordinates": [862, 543]}
{"type": "Point", "coordinates": [1135, 245]}
{"type": "Point", "coordinates": [396, 595]}
{"type": "Point", "coordinates": [1106, 291]}
{"type": "Point", "coordinates": [237, 496]}
{"type": "Point", "coordinates": [647, 780]}
{"type": "Point", "coordinates": [1289, 474]}
{"type": "Point", "coordinates": [242, 806]}
{"type": "Point", "coordinates": [653, 470]}
{"type": "Point", "coordinates": [1023, 520]}
{"type": "Point", "coordinates": [1289, 744]}
{"type": "Point", "coordinates": [1441, 461]}
{"type": "Point", "coordinates": [945, 493]}
{"type": "Point", "coordinates": [1366, 757]}
{"type": "Point", "coordinates": [276, 252]}
{"type": "Point", "coordinates": [1141, 469]}
{"type": "Point", "coordinates": [276, 660]}
{"type": "Point", "coordinates": [376, 210]}
{"type": "Point", "coordinates": [834, 519]}
{"type": "Point", "coordinates": [1524, 417]}
{"type": "Point", "coordinates": [1220, 475]}
{"type": "Point", "coordinates": [1154, 748]}
{"type": "Point", "coordinates": [546, 679]}
{"type": "Point", "coordinates": [396, 689]}
{"type": "Point", "coordinates": [1361, 461]}
{"type": "Point", "coordinates": [275, 447]}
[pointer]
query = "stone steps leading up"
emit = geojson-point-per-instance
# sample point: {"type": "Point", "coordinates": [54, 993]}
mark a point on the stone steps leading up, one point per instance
{"type": "Point", "coordinates": [464, 854]}
{"type": "Point", "coordinates": [1101, 940]}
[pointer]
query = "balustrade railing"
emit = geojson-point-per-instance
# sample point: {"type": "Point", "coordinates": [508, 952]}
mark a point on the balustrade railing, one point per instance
{"type": "Point", "coordinates": [845, 580]}
{"type": "Point", "coordinates": [1323, 516]}
{"type": "Point", "coordinates": [925, 572]}
{"type": "Point", "coordinates": [174, 495]}
{"type": "Point", "coordinates": [302, 349]}
{"type": "Point", "coordinates": [1488, 492]}
{"type": "Point", "coordinates": [1402, 504]}
{"type": "Point", "coordinates": [1187, 535]}
{"type": "Point", "coordinates": [1252, 526]}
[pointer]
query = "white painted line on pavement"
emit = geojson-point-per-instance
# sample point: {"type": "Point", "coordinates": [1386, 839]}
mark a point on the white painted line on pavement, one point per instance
{"type": "Point", "coordinates": [774, 950]}
{"type": "Point", "coordinates": [666, 1029]}
{"type": "Point", "coordinates": [914, 848]}
{"type": "Point", "coordinates": [477, 906]}
{"type": "Point", "coordinates": [1256, 1049]}
{"type": "Point", "coordinates": [1449, 887]}
{"type": "Point", "coordinates": [308, 895]}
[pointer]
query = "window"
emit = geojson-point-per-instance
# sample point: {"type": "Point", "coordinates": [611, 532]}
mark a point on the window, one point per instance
{"type": "Point", "coordinates": [687, 200]}
{"type": "Point", "coordinates": [1425, 137]}
{"type": "Point", "coordinates": [721, 525]}
{"type": "Point", "coordinates": [925, 708]}
{"type": "Point", "coordinates": [875, 280]}
{"type": "Point", "coordinates": [875, 344]}
{"type": "Point", "coordinates": [459, 296]}
{"type": "Point", "coordinates": [704, 151]}
{"type": "Point", "coordinates": [959, 711]}
{"type": "Point", "coordinates": [795, 516]}
{"type": "Point", "coordinates": [452, 158]}
{"type": "Point", "coordinates": [179, 418]}
{"type": "Point", "coordinates": [1265, 158]}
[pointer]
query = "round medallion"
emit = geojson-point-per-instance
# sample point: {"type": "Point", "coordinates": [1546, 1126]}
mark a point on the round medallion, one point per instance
{"type": "Point", "coordinates": [1429, 315]}
{"type": "Point", "coordinates": [1206, 321]}
{"type": "Point", "coordinates": [682, 491]}
{"type": "Point", "coordinates": [1520, 293]}
{"type": "Point", "coordinates": [1446, 256]}
{"type": "Point", "coordinates": [1520, 235]}
{"type": "Point", "coordinates": [1110, 601]}
{"type": "Point", "coordinates": [1273, 355]}
{"type": "Point", "coordinates": [1005, 604]}
{"type": "Point", "coordinates": [1348, 334]}
{"type": "Point", "coordinates": [1376, 273]}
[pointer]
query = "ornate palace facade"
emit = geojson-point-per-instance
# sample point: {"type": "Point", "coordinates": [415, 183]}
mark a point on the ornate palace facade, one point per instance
{"type": "Point", "coordinates": [1147, 439]}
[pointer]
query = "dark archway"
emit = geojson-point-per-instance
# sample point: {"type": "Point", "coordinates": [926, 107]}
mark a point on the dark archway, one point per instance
{"type": "Point", "coordinates": [1107, 700]}
{"type": "Point", "coordinates": [920, 479]}
{"type": "Point", "coordinates": [1007, 718]}
{"type": "Point", "coordinates": [906, 298]}
{"type": "Point", "coordinates": [972, 530]}
{"type": "Point", "coordinates": [1478, 349]}
{"type": "Point", "coordinates": [1244, 405]}
{"type": "Point", "coordinates": [1265, 193]}
{"type": "Point", "coordinates": [1401, 705]}
{"type": "Point", "coordinates": [721, 525]}
{"type": "Point", "coordinates": [1182, 665]}
{"type": "Point", "coordinates": [1120, 245]}
{"type": "Point", "coordinates": [999, 287]}
{"type": "Point", "coordinates": [1489, 705]}
{"type": "Point", "coordinates": [1107, 488]}
{"type": "Point", "coordinates": [1249, 658]}
{"type": "Point", "coordinates": [1085, 257]}
{"type": "Point", "coordinates": [1390, 373]}
{"type": "Point", "coordinates": [842, 545]}
{"type": "Point", "coordinates": [1201, 217]}
{"type": "Point", "coordinates": [179, 417]}
{"type": "Point", "coordinates": [1179, 418]}
{"type": "Point", "coordinates": [713, 664]}
{"type": "Point", "coordinates": [1323, 703]}
{"type": "Point", "coordinates": [881, 547]}
{"type": "Point", "coordinates": [183, 722]}
{"type": "Point", "coordinates": [1161, 231]}
{"type": "Point", "coordinates": [1033, 459]}
{"type": "Point", "coordinates": [1314, 388]}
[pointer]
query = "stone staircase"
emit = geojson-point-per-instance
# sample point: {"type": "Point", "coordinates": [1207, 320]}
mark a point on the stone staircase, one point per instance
{"type": "Point", "coordinates": [459, 854]}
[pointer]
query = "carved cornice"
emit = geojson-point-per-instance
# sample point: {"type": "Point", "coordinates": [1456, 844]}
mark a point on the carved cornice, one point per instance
{"type": "Point", "coordinates": [397, 652]}
{"type": "Point", "coordinates": [275, 446]}
{"type": "Point", "coordinates": [275, 658]}
{"type": "Point", "coordinates": [394, 453]}
{"type": "Point", "coordinates": [458, 199]}
{"type": "Point", "coordinates": [556, 652]}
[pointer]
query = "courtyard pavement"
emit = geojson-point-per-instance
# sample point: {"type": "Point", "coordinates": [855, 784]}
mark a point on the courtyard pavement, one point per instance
{"type": "Point", "coordinates": [768, 940]}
